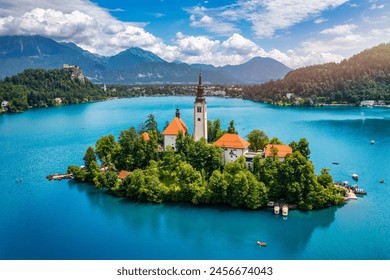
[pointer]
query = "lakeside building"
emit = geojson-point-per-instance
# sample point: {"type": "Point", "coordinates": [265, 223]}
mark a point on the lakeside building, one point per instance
{"type": "Point", "coordinates": [123, 174]}
{"type": "Point", "coordinates": [233, 146]}
{"type": "Point", "coordinates": [279, 150]}
{"type": "Point", "coordinates": [170, 133]}
{"type": "Point", "coordinates": [145, 136]}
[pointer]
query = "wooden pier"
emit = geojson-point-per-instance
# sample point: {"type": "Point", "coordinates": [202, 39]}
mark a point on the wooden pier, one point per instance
{"type": "Point", "coordinates": [59, 177]}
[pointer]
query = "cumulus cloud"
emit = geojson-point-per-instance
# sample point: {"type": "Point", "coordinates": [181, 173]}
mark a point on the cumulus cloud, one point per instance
{"type": "Point", "coordinates": [211, 24]}
{"type": "Point", "coordinates": [239, 45]}
{"type": "Point", "coordinates": [347, 42]}
{"type": "Point", "coordinates": [339, 29]}
{"type": "Point", "coordinates": [265, 16]}
{"type": "Point", "coordinates": [81, 22]}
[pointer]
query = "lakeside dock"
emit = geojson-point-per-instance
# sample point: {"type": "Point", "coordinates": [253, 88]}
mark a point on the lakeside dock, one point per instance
{"type": "Point", "coordinates": [59, 177]}
{"type": "Point", "coordinates": [351, 191]}
{"type": "Point", "coordinates": [283, 207]}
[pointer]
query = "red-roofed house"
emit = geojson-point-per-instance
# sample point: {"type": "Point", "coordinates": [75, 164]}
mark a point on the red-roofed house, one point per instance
{"type": "Point", "coordinates": [170, 133]}
{"type": "Point", "coordinates": [123, 174]}
{"type": "Point", "coordinates": [281, 150]}
{"type": "Point", "coordinates": [146, 136]}
{"type": "Point", "coordinates": [234, 146]}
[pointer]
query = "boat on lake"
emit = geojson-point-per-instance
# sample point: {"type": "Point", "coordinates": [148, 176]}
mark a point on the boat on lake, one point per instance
{"type": "Point", "coordinates": [360, 191]}
{"type": "Point", "coordinates": [262, 244]}
{"type": "Point", "coordinates": [355, 176]}
{"type": "Point", "coordinates": [285, 210]}
{"type": "Point", "coordinates": [382, 181]}
{"type": "Point", "coordinates": [276, 209]}
{"type": "Point", "coordinates": [372, 142]}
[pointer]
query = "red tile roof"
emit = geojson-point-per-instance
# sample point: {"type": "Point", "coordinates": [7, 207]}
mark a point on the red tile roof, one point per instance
{"type": "Point", "coordinates": [229, 140]}
{"type": "Point", "coordinates": [123, 174]}
{"type": "Point", "coordinates": [146, 136]}
{"type": "Point", "coordinates": [283, 150]}
{"type": "Point", "coordinates": [175, 127]}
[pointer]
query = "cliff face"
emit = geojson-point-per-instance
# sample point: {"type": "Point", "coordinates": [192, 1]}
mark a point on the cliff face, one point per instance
{"type": "Point", "coordinates": [77, 73]}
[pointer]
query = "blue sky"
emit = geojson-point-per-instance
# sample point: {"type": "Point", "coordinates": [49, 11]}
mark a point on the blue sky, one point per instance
{"type": "Point", "coordinates": [296, 32]}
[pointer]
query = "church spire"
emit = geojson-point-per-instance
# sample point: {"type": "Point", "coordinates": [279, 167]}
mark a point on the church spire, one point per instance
{"type": "Point", "coordinates": [199, 93]}
{"type": "Point", "coordinates": [200, 113]}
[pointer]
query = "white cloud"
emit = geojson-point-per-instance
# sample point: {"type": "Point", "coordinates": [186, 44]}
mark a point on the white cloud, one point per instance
{"type": "Point", "coordinates": [265, 16]}
{"type": "Point", "coordinates": [336, 44]}
{"type": "Point", "coordinates": [294, 60]}
{"type": "Point", "coordinates": [211, 24]}
{"type": "Point", "coordinates": [320, 20]}
{"type": "Point", "coordinates": [239, 45]}
{"type": "Point", "coordinates": [376, 7]}
{"type": "Point", "coordinates": [81, 22]}
{"type": "Point", "coordinates": [196, 46]}
{"type": "Point", "coordinates": [339, 29]}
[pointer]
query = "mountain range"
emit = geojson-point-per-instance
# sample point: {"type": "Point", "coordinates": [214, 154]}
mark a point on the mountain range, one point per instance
{"type": "Point", "coordinates": [131, 66]}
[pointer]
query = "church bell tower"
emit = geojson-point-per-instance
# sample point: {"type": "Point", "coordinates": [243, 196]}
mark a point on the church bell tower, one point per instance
{"type": "Point", "coordinates": [200, 113]}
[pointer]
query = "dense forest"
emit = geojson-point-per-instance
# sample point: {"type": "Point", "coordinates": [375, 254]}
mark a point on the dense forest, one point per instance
{"type": "Point", "coordinates": [365, 76]}
{"type": "Point", "coordinates": [42, 88]}
{"type": "Point", "coordinates": [36, 88]}
{"type": "Point", "coordinates": [195, 173]}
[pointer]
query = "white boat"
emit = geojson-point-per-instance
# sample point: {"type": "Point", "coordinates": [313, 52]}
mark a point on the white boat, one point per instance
{"type": "Point", "coordinates": [276, 209]}
{"type": "Point", "coordinates": [372, 142]}
{"type": "Point", "coordinates": [355, 176]}
{"type": "Point", "coordinates": [285, 210]}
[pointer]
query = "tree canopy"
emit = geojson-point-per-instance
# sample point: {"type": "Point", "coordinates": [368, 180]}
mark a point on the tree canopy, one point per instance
{"type": "Point", "coordinates": [365, 76]}
{"type": "Point", "coordinates": [39, 88]}
{"type": "Point", "coordinates": [194, 172]}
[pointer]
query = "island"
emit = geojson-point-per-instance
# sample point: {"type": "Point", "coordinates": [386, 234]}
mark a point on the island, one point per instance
{"type": "Point", "coordinates": [210, 167]}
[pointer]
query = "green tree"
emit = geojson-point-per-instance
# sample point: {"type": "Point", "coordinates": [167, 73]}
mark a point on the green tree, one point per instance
{"type": "Point", "coordinates": [104, 148]}
{"type": "Point", "coordinates": [218, 188]}
{"type": "Point", "coordinates": [89, 156]}
{"type": "Point", "coordinates": [214, 130]}
{"type": "Point", "coordinates": [151, 124]}
{"type": "Point", "coordinates": [302, 146]}
{"type": "Point", "coordinates": [192, 188]}
{"type": "Point", "coordinates": [275, 141]}
{"type": "Point", "coordinates": [258, 139]}
{"type": "Point", "coordinates": [231, 128]}
{"type": "Point", "coordinates": [107, 180]}
{"type": "Point", "coordinates": [184, 144]}
{"type": "Point", "coordinates": [257, 195]}
{"type": "Point", "coordinates": [79, 174]}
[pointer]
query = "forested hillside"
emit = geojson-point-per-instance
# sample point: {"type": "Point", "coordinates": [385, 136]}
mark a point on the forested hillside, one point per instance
{"type": "Point", "coordinates": [365, 76]}
{"type": "Point", "coordinates": [43, 88]}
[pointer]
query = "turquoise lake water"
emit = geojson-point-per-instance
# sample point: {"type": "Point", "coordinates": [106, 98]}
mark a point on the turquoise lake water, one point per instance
{"type": "Point", "coordinates": [42, 219]}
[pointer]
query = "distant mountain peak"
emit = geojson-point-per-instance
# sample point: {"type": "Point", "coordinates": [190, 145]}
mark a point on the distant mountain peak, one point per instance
{"type": "Point", "coordinates": [131, 66]}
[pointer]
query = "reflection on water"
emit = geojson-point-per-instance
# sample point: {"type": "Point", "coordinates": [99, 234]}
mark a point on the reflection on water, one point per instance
{"type": "Point", "coordinates": [181, 231]}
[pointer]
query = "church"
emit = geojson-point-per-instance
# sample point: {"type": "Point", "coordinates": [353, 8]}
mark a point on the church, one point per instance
{"type": "Point", "coordinates": [177, 125]}
{"type": "Point", "coordinates": [233, 145]}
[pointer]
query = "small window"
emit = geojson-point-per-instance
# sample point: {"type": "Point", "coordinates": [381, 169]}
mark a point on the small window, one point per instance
{"type": "Point", "coordinates": [198, 119]}
{"type": "Point", "coordinates": [199, 109]}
